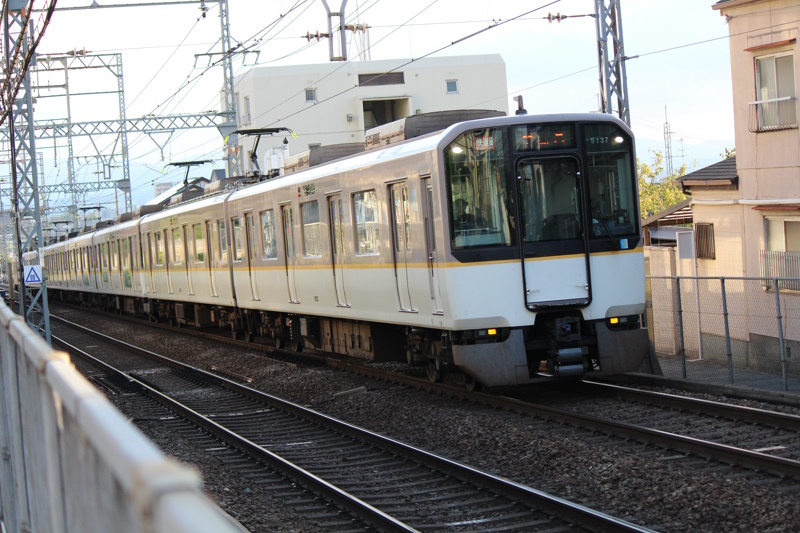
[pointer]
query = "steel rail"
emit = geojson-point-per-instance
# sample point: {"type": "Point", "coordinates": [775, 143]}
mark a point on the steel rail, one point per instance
{"type": "Point", "coordinates": [358, 507]}
{"type": "Point", "coordinates": [736, 412]}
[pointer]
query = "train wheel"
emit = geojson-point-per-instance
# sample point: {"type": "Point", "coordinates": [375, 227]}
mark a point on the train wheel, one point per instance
{"type": "Point", "coordinates": [434, 370]}
{"type": "Point", "coordinates": [297, 345]}
{"type": "Point", "coordinates": [472, 384]}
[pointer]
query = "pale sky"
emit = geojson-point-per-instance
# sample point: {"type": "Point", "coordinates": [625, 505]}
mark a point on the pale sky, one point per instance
{"type": "Point", "coordinates": [552, 65]}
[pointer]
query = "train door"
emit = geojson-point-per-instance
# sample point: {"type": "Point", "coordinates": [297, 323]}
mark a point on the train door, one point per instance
{"type": "Point", "coordinates": [186, 258]}
{"type": "Point", "coordinates": [288, 246]}
{"type": "Point", "coordinates": [401, 237]}
{"type": "Point", "coordinates": [150, 255]}
{"type": "Point", "coordinates": [250, 235]}
{"type": "Point", "coordinates": [209, 248]}
{"type": "Point", "coordinates": [552, 225]}
{"type": "Point", "coordinates": [133, 266]}
{"type": "Point", "coordinates": [166, 260]}
{"type": "Point", "coordinates": [125, 267]}
{"type": "Point", "coordinates": [430, 244]}
{"type": "Point", "coordinates": [337, 248]}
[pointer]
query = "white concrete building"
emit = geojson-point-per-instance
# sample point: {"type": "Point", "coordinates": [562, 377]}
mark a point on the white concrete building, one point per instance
{"type": "Point", "coordinates": [335, 103]}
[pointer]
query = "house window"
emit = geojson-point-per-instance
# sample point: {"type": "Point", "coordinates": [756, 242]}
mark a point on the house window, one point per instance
{"type": "Point", "coordinates": [452, 86]}
{"type": "Point", "coordinates": [781, 259]}
{"type": "Point", "coordinates": [704, 241]}
{"type": "Point", "coordinates": [776, 106]}
{"type": "Point", "coordinates": [783, 235]}
{"type": "Point", "coordinates": [311, 96]}
{"type": "Point", "coordinates": [246, 111]}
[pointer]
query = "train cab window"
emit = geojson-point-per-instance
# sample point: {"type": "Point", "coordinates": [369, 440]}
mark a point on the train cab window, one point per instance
{"type": "Point", "coordinates": [365, 212]}
{"type": "Point", "coordinates": [177, 246]}
{"type": "Point", "coordinates": [159, 252]}
{"type": "Point", "coordinates": [236, 236]}
{"type": "Point", "coordinates": [312, 242]}
{"type": "Point", "coordinates": [268, 234]}
{"type": "Point", "coordinates": [611, 181]}
{"type": "Point", "coordinates": [223, 242]}
{"type": "Point", "coordinates": [550, 199]}
{"type": "Point", "coordinates": [476, 182]}
{"type": "Point", "coordinates": [199, 244]}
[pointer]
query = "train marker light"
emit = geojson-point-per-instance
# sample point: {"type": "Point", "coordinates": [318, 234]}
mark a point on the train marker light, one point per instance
{"type": "Point", "coordinates": [614, 320]}
{"type": "Point", "coordinates": [491, 331]}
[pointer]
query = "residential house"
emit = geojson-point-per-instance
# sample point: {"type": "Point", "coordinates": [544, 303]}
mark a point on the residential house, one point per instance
{"type": "Point", "coordinates": [335, 103]}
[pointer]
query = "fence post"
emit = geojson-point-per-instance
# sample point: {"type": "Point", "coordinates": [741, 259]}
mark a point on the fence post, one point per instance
{"type": "Point", "coordinates": [780, 332]}
{"type": "Point", "coordinates": [727, 328]}
{"type": "Point", "coordinates": [680, 326]}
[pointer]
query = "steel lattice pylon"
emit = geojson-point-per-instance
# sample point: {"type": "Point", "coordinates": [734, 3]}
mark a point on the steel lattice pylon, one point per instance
{"type": "Point", "coordinates": [24, 172]}
{"type": "Point", "coordinates": [613, 80]}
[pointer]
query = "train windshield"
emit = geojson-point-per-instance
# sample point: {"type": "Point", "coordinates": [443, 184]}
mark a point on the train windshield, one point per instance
{"type": "Point", "coordinates": [475, 165]}
{"type": "Point", "coordinates": [610, 180]}
{"type": "Point", "coordinates": [564, 181]}
{"type": "Point", "coordinates": [550, 199]}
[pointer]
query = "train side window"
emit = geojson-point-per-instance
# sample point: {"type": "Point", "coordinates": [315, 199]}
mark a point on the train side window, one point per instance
{"type": "Point", "coordinates": [105, 256]}
{"type": "Point", "coordinates": [312, 244]}
{"type": "Point", "coordinates": [177, 246]}
{"type": "Point", "coordinates": [268, 234]}
{"type": "Point", "coordinates": [365, 213]}
{"type": "Point", "coordinates": [223, 242]}
{"type": "Point", "coordinates": [236, 230]}
{"type": "Point", "coordinates": [199, 244]}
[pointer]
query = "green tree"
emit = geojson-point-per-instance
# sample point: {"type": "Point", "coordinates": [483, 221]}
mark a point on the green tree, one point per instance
{"type": "Point", "coordinates": [656, 194]}
{"type": "Point", "coordinates": [728, 153]}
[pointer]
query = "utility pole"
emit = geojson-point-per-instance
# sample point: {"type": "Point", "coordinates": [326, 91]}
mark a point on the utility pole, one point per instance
{"type": "Point", "coordinates": [228, 129]}
{"type": "Point", "coordinates": [26, 211]}
{"type": "Point", "coordinates": [667, 143]}
{"type": "Point", "coordinates": [611, 49]}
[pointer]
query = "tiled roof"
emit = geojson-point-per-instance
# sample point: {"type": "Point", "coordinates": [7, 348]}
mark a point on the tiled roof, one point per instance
{"type": "Point", "coordinates": [723, 172]}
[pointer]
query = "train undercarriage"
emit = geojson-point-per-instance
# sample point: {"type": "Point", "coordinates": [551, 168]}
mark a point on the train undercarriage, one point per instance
{"type": "Point", "coordinates": [560, 345]}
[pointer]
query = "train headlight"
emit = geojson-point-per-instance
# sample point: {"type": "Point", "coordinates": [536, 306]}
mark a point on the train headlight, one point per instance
{"type": "Point", "coordinates": [613, 321]}
{"type": "Point", "coordinates": [491, 332]}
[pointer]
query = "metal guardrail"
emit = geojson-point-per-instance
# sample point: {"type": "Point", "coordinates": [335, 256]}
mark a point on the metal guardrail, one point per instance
{"type": "Point", "coordinates": [726, 329]}
{"type": "Point", "coordinates": [72, 462]}
{"type": "Point", "coordinates": [773, 114]}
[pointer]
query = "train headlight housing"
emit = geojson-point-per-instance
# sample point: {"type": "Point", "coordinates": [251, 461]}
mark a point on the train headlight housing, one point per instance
{"type": "Point", "coordinates": [623, 322]}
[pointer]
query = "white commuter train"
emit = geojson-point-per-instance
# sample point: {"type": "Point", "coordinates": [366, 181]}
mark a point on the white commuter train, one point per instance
{"type": "Point", "coordinates": [507, 248]}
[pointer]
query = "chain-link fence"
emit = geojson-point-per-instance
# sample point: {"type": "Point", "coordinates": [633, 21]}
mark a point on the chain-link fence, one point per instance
{"type": "Point", "coordinates": [727, 330]}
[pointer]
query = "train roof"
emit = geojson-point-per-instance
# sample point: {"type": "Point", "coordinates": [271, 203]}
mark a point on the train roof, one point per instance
{"type": "Point", "coordinates": [418, 145]}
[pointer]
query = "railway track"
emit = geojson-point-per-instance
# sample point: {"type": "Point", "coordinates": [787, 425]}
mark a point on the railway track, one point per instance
{"type": "Point", "coordinates": [756, 440]}
{"type": "Point", "coordinates": [379, 481]}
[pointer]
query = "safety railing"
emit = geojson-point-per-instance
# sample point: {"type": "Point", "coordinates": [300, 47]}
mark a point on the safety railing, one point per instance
{"type": "Point", "coordinates": [773, 114]}
{"type": "Point", "coordinates": [726, 330]}
{"type": "Point", "coordinates": [72, 462]}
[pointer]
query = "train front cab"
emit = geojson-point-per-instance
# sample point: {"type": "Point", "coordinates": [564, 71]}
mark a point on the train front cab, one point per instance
{"type": "Point", "coordinates": [551, 210]}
